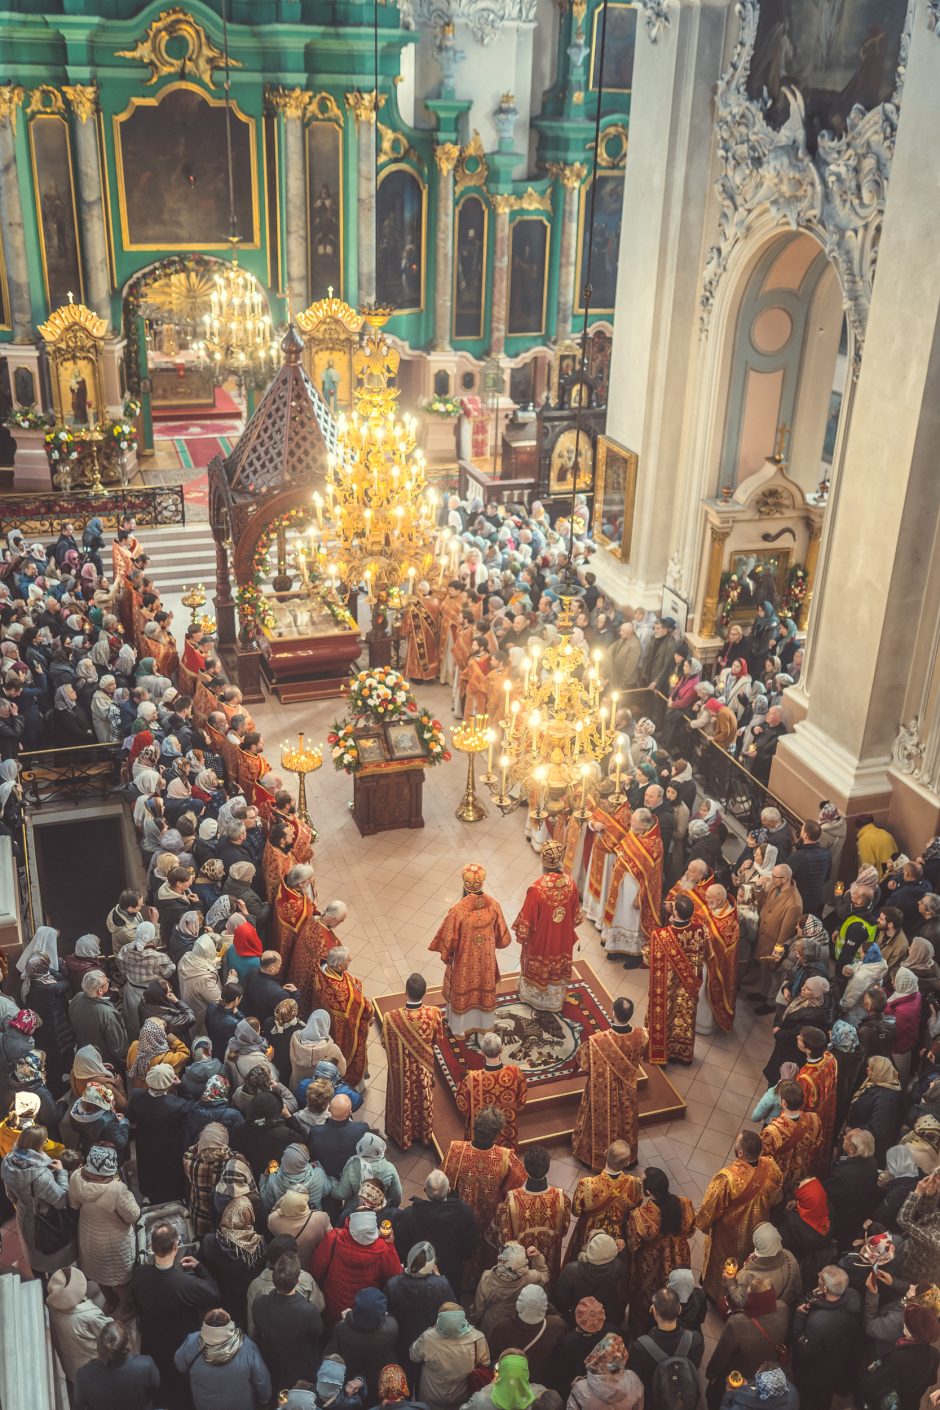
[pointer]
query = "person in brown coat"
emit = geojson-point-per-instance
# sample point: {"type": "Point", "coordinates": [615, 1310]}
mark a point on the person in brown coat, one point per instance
{"type": "Point", "coordinates": [779, 915]}
{"type": "Point", "coordinates": [754, 1333]}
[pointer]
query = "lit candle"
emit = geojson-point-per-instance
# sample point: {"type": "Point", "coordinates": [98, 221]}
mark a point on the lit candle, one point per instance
{"type": "Point", "coordinates": [540, 775]}
{"type": "Point", "coordinates": [318, 504]}
{"type": "Point", "coordinates": [507, 688]}
{"type": "Point", "coordinates": [603, 725]}
{"type": "Point", "coordinates": [411, 580]}
{"type": "Point", "coordinates": [557, 679]}
{"type": "Point", "coordinates": [504, 774]}
{"type": "Point", "coordinates": [491, 737]}
{"type": "Point", "coordinates": [534, 720]}
{"type": "Point", "coordinates": [618, 764]}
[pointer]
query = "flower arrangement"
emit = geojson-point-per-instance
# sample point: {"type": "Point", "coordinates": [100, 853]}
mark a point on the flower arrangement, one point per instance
{"type": "Point", "coordinates": [26, 419]}
{"type": "Point", "coordinates": [431, 734]}
{"type": "Point", "coordinates": [122, 435]}
{"type": "Point", "coordinates": [61, 444]}
{"type": "Point", "coordinates": [729, 593]}
{"type": "Point", "coordinates": [381, 693]}
{"type": "Point", "coordinates": [252, 608]}
{"type": "Point", "coordinates": [342, 742]}
{"type": "Point", "coordinates": [795, 594]}
{"type": "Point", "coordinates": [443, 406]}
{"type": "Point", "coordinates": [131, 408]}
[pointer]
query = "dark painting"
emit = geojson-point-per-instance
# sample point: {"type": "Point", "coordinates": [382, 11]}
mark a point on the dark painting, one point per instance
{"type": "Point", "coordinates": [618, 51]}
{"type": "Point", "coordinates": [324, 184]}
{"type": "Point", "coordinates": [608, 215]}
{"type": "Point", "coordinates": [49, 137]}
{"type": "Point", "coordinates": [469, 267]}
{"type": "Point", "coordinates": [175, 178]}
{"type": "Point", "coordinates": [4, 303]}
{"type": "Point", "coordinates": [527, 266]}
{"type": "Point", "coordinates": [837, 53]}
{"type": "Point", "coordinates": [400, 225]}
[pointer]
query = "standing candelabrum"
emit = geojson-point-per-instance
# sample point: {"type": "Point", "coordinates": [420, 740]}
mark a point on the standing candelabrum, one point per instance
{"type": "Point", "coordinates": [472, 737]}
{"type": "Point", "coordinates": [94, 436]}
{"type": "Point", "coordinates": [194, 597]}
{"type": "Point", "coordinates": [302, 759]}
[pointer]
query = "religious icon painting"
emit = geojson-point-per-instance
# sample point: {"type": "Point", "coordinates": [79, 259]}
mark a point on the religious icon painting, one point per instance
{"type": "Point", "coordinates": [572, 457]}
{"type": "Point", "coordinates": [400, 214]}
{"type": "Point", "coordinates": [604, 248]}
{"type": "Point", "coordinates": [404, 741]}
{"type": "Point", "coordinates": [325, 215]}
{"type": "Point", "coordinates": [528, 269]}
{"type": "Point", "coordinates": [615, 496]}
{"type": "Point", "coordinates": [619, 48]}
{"type": "Point", "coordinates": [370, 745]}
{"type": "Point", "coordinates": [469, 268]}
{"type": "Point", "coordinates": [52, 163]}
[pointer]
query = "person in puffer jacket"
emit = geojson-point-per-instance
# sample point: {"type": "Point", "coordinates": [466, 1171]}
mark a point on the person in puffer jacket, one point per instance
{"type": "Point", "coordinates": [351, 1258]}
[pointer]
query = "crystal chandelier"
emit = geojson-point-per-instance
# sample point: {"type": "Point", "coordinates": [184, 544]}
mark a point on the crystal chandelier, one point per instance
{"type": "Point", "coordinates": [238, 339]}
{"type": "Point", "coordinates": [381, 510]}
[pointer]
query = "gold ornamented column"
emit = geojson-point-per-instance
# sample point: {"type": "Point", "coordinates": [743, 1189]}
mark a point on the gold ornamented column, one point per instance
{"type": "Point", "coordinates": [362, 105]}
{"type": "Point", "coordinates": [83, 101]}
{"type": "Point", "coordinates": [718, 537]}
{"type": "Point", "coordinates": [571, 178]}
{"type": "Point", "coordinates": [812, 563]}
{"type": "Point", "coordinates": [446, 155]}
{"type": "Point", "coordinates": [11, 218]}
{"type": "Point", "coordinates": [292, 103]}
{"type": "Point", "coordinates": [502, 205]}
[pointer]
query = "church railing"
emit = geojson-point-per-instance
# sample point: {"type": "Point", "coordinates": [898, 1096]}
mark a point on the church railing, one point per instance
{"type": "Point", "coordinates": [719, 774]}
{"type": "Point", "coordinates": [41, 514]}
{"type": "Point", "coordinates": [70, 773]}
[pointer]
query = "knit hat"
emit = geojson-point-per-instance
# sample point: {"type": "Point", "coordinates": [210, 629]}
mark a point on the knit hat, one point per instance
{"type": "Point", "coordinates": [771, 1384]}
{"type": "Point", "coordinates": [532, 1305]}
{"type": "Point", "coordinates": [767, 1241]}
{"type": "Point", "coordinates": [160, 1077]}
{"type": "Point", "coordinates": [601, 1248]}
{"type": "Point", "coordinates": [590, 1315]}
{"type": "Point", "coordinates": [682, 1283]}
{"type": "Point", "coordinates": [101, 1160]}
{"type": "Point", "coordinates": [921, 1324]}
{"type": "Point", "coordinates": [369, 1310]}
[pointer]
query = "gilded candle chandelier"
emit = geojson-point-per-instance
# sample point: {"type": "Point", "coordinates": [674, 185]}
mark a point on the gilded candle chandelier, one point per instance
{"type": "Point", "coordinates": [238, 338]}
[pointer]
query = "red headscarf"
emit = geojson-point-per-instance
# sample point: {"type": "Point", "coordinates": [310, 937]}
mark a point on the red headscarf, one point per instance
{"type": "Point", "coordinates": [247, 941]}
{"type": "Point", "coordinates": [812, 1205]}
{"type": "Point", "coordinates": [141, 740]}
{"type": "Point", "coordinates": [25, 1022]}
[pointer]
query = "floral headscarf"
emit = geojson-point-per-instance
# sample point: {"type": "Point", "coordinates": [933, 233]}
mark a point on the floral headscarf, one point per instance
{"type": "Point", "coordinates": [393, 1385]}
{"type": "Point", "coordinates": [151, 1044]}
{"type": "Point", "coordinates": [237, 1229]}
{"type": "Point", "coordinates": [844, 1037]}
{"type": "Point", "coordinates": [771, 1384]}
{"type": "Point", "coordinates": [608, 1358]}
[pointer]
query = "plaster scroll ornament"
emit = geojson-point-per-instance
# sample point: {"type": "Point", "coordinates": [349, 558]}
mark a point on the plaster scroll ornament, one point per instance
{"type": "Point", "coordinates": [484, 18]}
{"type": "Point", "coordinates": [201, 55]}
{"type": "Point", "coordinates": [836, 193]}
{"type": "Point", "coordinates": [908, 749]}
{"type": "Point", "coordinates": [656, 17]}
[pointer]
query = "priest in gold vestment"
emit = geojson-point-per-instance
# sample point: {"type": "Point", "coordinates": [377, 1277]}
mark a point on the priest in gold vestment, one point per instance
{"type": "Point", "coordinates": [674, 955]}
{"type": "Point", "coordinates": [410, 1034]}
{"type": "Point", "coordinates": [470, 934]}
{"type": "Point", "coordinates": [498, 1084]}
{"type": "Point", "coordinates": [482, 1172]}
{"type": "Point", "coordinates": [602, 1202]}
{"type": "Point", "coordinates": [738, 1198]}
{"type": "Point", "coordinates": [792, 1138]}
{"type": "Point", "coordinates": [537, 1214]}
{"type": "Point", "coordinates": [608, 1110]}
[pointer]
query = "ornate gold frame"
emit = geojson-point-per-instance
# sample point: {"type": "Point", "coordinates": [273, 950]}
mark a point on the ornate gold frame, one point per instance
{"type": "Point", "coordinates": [328, 120]}
{"type": "Point", "coordinates": [44, 115]}
{"type": "Point", "coordinates": [531, 332]}
{"type": "Point", "coordinates": [5, 291]}
{"type": "Point", "coordinates": [477, 195]}
{"type": "Point", "coordinates": [604, 444]}
{"type": "Point", "coordinates": [579, 246]}
{"type": "Point", "coordinates": [119, 118]}
{"type": "Point", "coordinates": [330, 325]}
{"type": "Point", "coordinates": [73, 334]}
{"type": "Point", "coordinates": [387, 171]}
{"type": "Point", "coordinates": [612, 5]}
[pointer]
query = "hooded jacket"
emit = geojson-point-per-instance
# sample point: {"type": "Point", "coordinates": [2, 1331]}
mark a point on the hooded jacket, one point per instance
{"type": "Point", "coordinates": [342, 1267]}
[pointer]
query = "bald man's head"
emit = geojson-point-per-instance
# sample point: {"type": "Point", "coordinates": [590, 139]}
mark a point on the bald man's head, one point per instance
{"type": "Point", "coordinates": [340, 1108]}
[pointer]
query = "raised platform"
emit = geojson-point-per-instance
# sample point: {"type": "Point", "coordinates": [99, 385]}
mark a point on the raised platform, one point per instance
{"type": "Point", "coordinates": [552, 1101]}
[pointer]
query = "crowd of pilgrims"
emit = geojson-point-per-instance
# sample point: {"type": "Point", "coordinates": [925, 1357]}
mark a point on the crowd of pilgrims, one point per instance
{"type": "Point", "coordinates": [216, 1227]}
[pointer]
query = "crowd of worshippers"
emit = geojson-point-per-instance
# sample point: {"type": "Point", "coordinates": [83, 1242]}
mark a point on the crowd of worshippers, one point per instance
{"type": "Point", "coordinates": [215, 1225]}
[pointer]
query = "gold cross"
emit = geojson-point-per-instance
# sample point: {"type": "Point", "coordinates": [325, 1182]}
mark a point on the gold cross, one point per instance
{"type": "Point", "coordinates": [780, 442]}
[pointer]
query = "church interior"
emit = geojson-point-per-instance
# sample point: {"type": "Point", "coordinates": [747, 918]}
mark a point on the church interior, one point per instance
{"type": "Point", "coordinates": [468, 482]}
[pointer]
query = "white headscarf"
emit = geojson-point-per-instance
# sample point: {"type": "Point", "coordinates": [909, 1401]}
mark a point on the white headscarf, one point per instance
{"type": "Point", "coordinates": [905, 982]}
{"type": "Point", "coordinates": [44, 942]}
{"type": "Point", "coordinates": [148, 782]}
{"type": "Point", "coordinates": [9, 773]}
{"type": "Point", "coordinates": [317, 1027]}
{"type": "Point", "coordinates": [144, 933]}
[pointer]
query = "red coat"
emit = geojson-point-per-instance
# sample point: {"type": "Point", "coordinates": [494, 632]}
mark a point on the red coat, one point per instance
{"type": "Point", "coordinates": [341, 1267]}
{"type": "Point", "coordinates": [906, 1014]}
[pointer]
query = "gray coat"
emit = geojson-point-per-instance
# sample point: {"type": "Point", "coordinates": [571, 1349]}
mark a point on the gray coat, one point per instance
{"type": "Point", "coordinates": [98, 1022]}
{"type": "Point", "coordinates": [240, 1384]}
{"type": "Point", "coordinates": [30, 1180]}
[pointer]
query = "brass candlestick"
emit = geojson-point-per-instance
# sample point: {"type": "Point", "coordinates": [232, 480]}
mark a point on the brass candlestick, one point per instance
{"type": "Point", "coordinates": [470, 737]}
{"type": "Point", "coordinates": [302, 760]}
{"type": "Point", "coordinates": [94, 436]}
{"type": "Point", "coordinates": [194, 598]}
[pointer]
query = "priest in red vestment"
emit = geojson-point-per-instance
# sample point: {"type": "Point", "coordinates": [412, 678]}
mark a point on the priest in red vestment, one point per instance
{"type": "Point", "coordinates": [340, 993]}
{"type": "Point", "coordinates": [819, 1078]}
{"type": "Point", "coordinates": [601, 1203]}
{"type": "Point", "coordinates": [674, 955]}
{"type": "Point", "coordinates": [467, 940]}
{"type": "Point", "coordinates": [719, 992]}
{"type": "Point", "coordinates": [410, 1034]}
{"type": "Point", "coordinates": [420, 627]}
{"type": "Point", "coordinates": [276, 861]}
{"type": "Point", "coordinates": [633, 905]}
{"type": "Point", "coordinates": [314, 937]}
{"type": "Point", "coordinates": [295, 907]}
{"type": "Point", "coordinates": [545, 928]}
{"type": "Point", "coordinates": [609, 1106]}
{"type": "Point", "coordinates": [482, 1172]}
{"type": "Point", "coordinates": [498, 1084]}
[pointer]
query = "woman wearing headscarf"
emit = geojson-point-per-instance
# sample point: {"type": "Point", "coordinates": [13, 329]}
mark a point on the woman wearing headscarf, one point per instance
{"type": "Point", "coordinates": [48, 992]}
{"type": "Point", "coordinates": [293, 1217]}
{"type": "Point", "coordinates": [657, 1234]}
{"type": "Point", "coordinates": [234, 1255]}
{"type": "Point", "coordinates": [923, 1142]}
{"type": "Point", "coordinates": [279, 1029]}
{"type": "Point", "coordinates": [209, 880]}
{"type": "Point", "coordinates": [296, 1172]}
{"type": "Point", "coordinates": [608, 1383]}
{"type": "Point", "coordinates": [35, 1182]}
{"type": "Point", "coordinates": [238, 886]}
{"type": "Point", "coordinates": [415, 1296]}
{"type": "Point", "coordinates": [369, 1163]}
{"type": "Point", "coordinates": [140, 962]}
{"type": "Point", "coordinates": [866, 970]}
{"type": "Point", "coordinates": [11, 802]}
{"type": "Point", "coordinates": [499, 1286]}
{"type": "Point", "coordinates": [224, 1366]}
{"type": "Point", "coordinates": [71, 725]}
{"type": "Point", "coordinates": [313, 1044]}
{"type": "Point", "coordinates": [17, 1038]}
{"type": "Point", "coordinates": [535, 1329]}
{"type": "Point", "coordinates": [850, 1060]}
{"type": "Point", "coordinates": [905, 1006]}
{"type": "Point", "coordinates": [184, 934]}
{"type": "Point", "coordinates": [105, 715]}
{"type": "Point", "coordinates": [148, 783]}
{"type": "Point", "coordinates": [919, 960]}
{"type": "Point", "coordinates": [806, 1229]}
{"type": "Point", "coordinates": [768, 1390]}
{"type": "Point", "coordinates": [158, 1115]}
{"type": "Point", "coordinates": [879, 1105]}
{"type": "Point", "coordinates": [203, 1164]}
{"type": "Point", "coordinates": [810, 1008]}
{"type": "Point", "coordinates": [153, 1046]}
{"type": "Point", "coordinates": [681, 704]}
{"type": "Point", "coordinates": [74, 1320]}
{"type": "Point", "coordinates": [107, 1215]}
{"type": "Point", "coordinates": [89, 1066]}
{"type": "Point", "coordinates": [448, 1353]}
{"type": "Point", "coordinates": [246, 1049]}
{"type": "Point", "coordinates": [898, 1179]}
{"type": "Point", "coordinates": [200, 986]}
{"type": "Point", "coordinates": [247, 948]}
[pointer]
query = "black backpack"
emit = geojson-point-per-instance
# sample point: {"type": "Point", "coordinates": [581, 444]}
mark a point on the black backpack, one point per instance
{"type": "Point", "coordinates": [675, 1384]}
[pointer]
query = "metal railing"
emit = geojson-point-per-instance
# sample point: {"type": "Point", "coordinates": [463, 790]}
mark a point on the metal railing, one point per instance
{"type": "Point", "coordinates": [719, 774]}
{"type": "Point", "coordinates": [24, 877]}
{"type": "Point", "coordinates": [65, 775]}
{"type": "Point", "coordinates": [42, 514]}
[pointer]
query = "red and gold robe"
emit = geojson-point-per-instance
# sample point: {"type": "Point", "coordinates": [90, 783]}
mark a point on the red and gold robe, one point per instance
{"type": "Point", "coordinates": [601, 1204]}
{"type": "Point", "coordinates": [467, 940]}
{"type": "Point", "coordinates": [302, 835]}
{"type": "Point", "coordinates": [350, 1015]}
{"type": "Point", "coordinates": [545, 928]}
{"type": "Point", "coordinates": [191, 664]}
{"type": "Point", "coordinates": [674, 956]}
{"type": "Point", "coordinates": [615, 826]}
{"type": "Point", "coordinates": [655, 1255]}
{"type": "Point", "coordinates": [820, 1081]}
{"type": "Point", "coordinates": [451, 611]}
{"type": "Point", "coordinates": [122, 559]}
{"type": "Point", "coordinates": [420, 627]}
{"type": "Point", "coordinates": [642, 856]}
{"type": "Point", "coordinates": [483, 1178]}
{"type": "Point", "coordinates": [608, 1110]}
{"type": "Point", "coordinates": [503, 1087]}
{"type": "Point", "coordinates": [793, 1145]}
{"type": "Point", "coordinates": [292, 911]}
{"type": "Point", "coordinates": [536, 1219]}
{"type": "Point", "coordinates": [721, 971]}
{"type": "Point", "coordinates": [410, 1034]}
{"type": "Point", "coordinates": [736, 1200]}
{"type": "Point", "coordinates": [274, 866]}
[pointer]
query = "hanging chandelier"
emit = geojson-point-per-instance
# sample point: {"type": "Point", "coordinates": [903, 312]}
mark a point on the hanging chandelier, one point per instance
{"type": "Point", "coordinates": [381, 511]}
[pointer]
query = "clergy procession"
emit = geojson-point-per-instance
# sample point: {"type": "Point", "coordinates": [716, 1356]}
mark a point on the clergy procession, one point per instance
{"type": "Point", "coordinates": [195, 1160]}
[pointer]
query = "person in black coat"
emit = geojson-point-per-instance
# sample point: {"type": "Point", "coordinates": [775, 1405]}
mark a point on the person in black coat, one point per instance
{"type": "Point", "coordinates": [878, 1106]}
{"type": "Point", "coordinates": [288, 1328]}
{"type": "Point", "coordinates": [811, 865]}
{"type": "Point", "coordinates": [902, 1175]}
{"type": "Point", "coordinates": [910, 1368]}
{"type": "Point", "coordinates": [591, 1326]}
{"type": "Point", "coordinates": [852, 1187]}
{"type": "Point", "coordinates": [47, 993]}
{"type": "Point", "coordinates": [414, 1300]}
{"type": "Point", "coordinates": [158, 1116]}
{"type": "Point", "coordinates": [335, 1141]}
{"type": "Point", "coordinates": [159, 1001]}
{"type": "Point", "coordinates": [443, 1220]}
{"type": "Point", "coordinates": [366, 1337]}
{"type": "Point", "coordinates": [663, 812]}
{"type": "Point", "coordinates": [115, 1379]}
{"type": "Point", "coordinates": [170, 1296]}
{"type": "Point", "coordinates": [278, 1031]}
{"type": "Point", "coordinates": [264, 991]}
{"type": "Point", "coordinates": [826, 1340]}
{"type": "Point", "coordinates": [223, 1018]}
{"type": "Point", "coordinates": [875, 1032]}
{"type": "Point", "coordinates": [265, 1135]}
{"type": "Point", "coordinates": [234, 1254]}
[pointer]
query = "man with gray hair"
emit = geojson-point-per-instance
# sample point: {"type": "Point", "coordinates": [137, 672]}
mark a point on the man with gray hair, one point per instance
{"type": "Point", "coordinates": [303, 932]}
{"type": "Point", "coordinates": [826, 1340]}
{"type": "Point", "coordinates": [96, 1021]}
{"type": "Point", "coordinates": [497, 1084]}
{"type": "Point", "coordinates": [342, 996]}
{"type": "Point", "coordinates": [779, 916]}
{"type": "Point", "coordinates": [634, 897]}
{"type": "Point", "coordinates": [443, 1220]}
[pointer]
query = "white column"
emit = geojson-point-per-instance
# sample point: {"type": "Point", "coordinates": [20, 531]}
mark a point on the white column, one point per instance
{"type": "Point", "coordinates": [83, 100]}
{"type": "Point", "coordinates": [362, 105]}
{"type": "Point", "coordinates": [11, 218]}
{"type": "Point", "coordinates": [445, 155]}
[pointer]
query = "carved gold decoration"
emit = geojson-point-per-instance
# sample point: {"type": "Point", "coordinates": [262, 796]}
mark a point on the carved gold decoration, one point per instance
{"type": "Point", "coordinates": [569, 176]}
{"type": "Point", "coordinates": [718, 537]}
{"type": "Point", "coordinates": [11, 96]}
{"type": "Point", "coordinates": [471, 168]}
{"type": "Point", "coordinates": [324, 108]}
{"type": "Point", "coordinates": [292, 102]}
{"type": "Point", "coordinates": [508, 100]}
{"type": "Point", "coordinates": [578, 97]}
{"type": "Point", "coordinates": [71, 316]}
{"type": "Point", "coordinates": [503, 204]}
{"type": "Point", "coordinates": [362, 105]}
{"type": "Point", "coordinates": [325, 310]}
{"type": "Point", "coordinates": [45, 99]}
{"type": "Point", "coordinates": [771, 503]}
{"type": "Point", "coordinates": [199, 60]}
{"type": "Point", "coordinates": [74, 338]}
{"type": "Point", "coordinates": [530, 200]}
{"type": "Point", "coordinates": [392, 145]}
{"type": "Point", "coordinates": [330, 331]}
{"type": "Point", "coordinates": [446, 155]}
{"type": "Point", "coordinates": [83, 99]}
{"type": "Point", "coordinates": [186, 296]}
{"type": "Point", "coordinates": [612, 147]}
